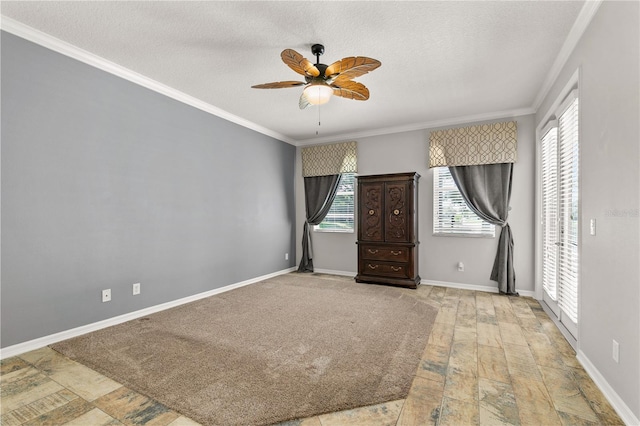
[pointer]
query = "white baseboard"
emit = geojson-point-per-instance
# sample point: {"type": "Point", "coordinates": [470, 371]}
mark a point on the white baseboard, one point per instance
{"type": "Point", "coordinates": [40, 342]}
{"type": "Point", "coordinates": [432, 282]}
{"type": "Point", "coordinates": [616, 402]}
{"type": "Point", "coordinates": [436, 283]}
{"type": "Point", "coordinates": [462, 286]}
{"type": "Point", "coordinates": [614, 399]}
{"type": "Point", "coordinates": [332, 272]}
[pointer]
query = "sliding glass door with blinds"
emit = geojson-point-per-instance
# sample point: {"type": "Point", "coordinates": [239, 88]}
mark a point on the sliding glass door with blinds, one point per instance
{"type": "Point", "coordinates": [559, 213]}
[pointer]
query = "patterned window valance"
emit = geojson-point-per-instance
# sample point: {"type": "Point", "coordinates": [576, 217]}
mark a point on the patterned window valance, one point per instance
{"type": "Point", "coordinates": [332, 159]}
{"type": "Point", "coordinates": [473, 145]}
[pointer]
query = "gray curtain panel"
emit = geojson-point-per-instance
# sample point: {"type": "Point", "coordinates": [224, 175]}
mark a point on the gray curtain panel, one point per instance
{"type": "Point", "coordinates": [319, 193]}
{"type": "Point", "coordinates": [487, 191]}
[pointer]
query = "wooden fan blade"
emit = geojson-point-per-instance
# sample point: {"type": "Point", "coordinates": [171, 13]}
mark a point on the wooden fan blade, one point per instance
{"type": "Point", "coordinates": [279, 85]}
{"type": "Point", "coordinates": [304, 101]}
{"type": "Point", "coordinates": [351, 67]}
{"type": "Point", "coordinates": [351, 90]}
{"type": "Point", "coordinates": [298, 63]}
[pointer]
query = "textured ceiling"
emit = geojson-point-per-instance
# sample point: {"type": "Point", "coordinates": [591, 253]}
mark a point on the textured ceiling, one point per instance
{"type": "Point", "coordinates": [440, 60]}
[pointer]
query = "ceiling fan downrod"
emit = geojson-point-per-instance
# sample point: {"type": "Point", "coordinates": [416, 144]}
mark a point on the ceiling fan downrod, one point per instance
{"type": "Point", "coordinates": [317, 50]}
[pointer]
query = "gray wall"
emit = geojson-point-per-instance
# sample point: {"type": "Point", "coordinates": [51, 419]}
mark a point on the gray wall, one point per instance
{"type": "Point", "coordinates": [439, 256]}
{"type": "Point", "coordinates": [106, 184]}
{"type": "Point", "coordinates": [609, 299]}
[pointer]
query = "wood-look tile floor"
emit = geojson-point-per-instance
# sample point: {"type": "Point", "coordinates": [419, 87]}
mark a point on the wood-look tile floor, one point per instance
{"type": "Point", "coordinates": [490, 360]}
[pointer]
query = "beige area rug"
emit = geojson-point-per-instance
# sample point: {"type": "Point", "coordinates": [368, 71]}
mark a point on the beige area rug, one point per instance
{"type": "Point", "coordinates": [293, 346]}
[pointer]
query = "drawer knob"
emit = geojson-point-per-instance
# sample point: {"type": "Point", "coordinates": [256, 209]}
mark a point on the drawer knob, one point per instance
{"type": "Point", "coordinates": [372, 251]}
{"type": "Point", "coordinates": [372, 266]}
{"type": "Point", "coordinates": [396, 269]}
{"type": "Point", "coordinates": [372, 212]}
{"type": "Point", "coordinates": [396, 212]}
{"type": "Point", "coordinates": [396, 253]}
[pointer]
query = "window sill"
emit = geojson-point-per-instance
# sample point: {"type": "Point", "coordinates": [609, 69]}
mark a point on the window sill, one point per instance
{"type": "Point", "coordinates": [334, 231]}
{"type": "Point", "coordinates": [462, 235]}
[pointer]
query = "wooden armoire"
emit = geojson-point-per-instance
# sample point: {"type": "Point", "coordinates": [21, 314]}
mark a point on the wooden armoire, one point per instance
{"type": "Point", "coordinates": [388, 229]}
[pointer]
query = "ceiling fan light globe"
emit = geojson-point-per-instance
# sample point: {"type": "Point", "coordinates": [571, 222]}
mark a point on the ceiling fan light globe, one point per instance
{"type": "Point", "coordinates": [318, 94]}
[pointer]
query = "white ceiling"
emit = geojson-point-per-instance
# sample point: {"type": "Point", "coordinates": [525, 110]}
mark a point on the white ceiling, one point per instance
{"type": "Point", "coordinates": [441, 60]}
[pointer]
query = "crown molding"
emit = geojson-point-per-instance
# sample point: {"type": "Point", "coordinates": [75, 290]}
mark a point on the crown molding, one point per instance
{"type": "Point", "coordinates": [45, 40]}
{"type": "Point", "coordinates": [420, 126]}
{"type": "Point", "coordinates": [583, 20]}
{"type": "Point", "coordinates": [21, 30]}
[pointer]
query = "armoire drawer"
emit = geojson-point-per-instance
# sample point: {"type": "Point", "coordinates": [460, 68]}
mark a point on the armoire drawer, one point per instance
{"type": "Point", "coordinates": [391, 254]}
{"type": "Point", "coordinates": [396, 270]}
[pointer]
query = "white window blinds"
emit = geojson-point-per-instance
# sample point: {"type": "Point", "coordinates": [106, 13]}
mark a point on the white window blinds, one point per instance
{"type": "Point", "coordinates": [568, 169]}
{"type": "Point", "coordinates": [341, 215]}
{"type": "Point", "coordinates": [550, 208]}
{"type": "Point", "coordinates": [451, 215]}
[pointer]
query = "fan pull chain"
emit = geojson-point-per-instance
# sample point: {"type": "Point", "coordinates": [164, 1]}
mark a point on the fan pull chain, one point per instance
{"type": "Point", "coordinates": [318, 120]}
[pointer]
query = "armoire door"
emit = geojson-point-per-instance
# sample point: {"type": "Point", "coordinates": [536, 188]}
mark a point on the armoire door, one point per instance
{"type": "Point", "coordinates": [396, 218]}
{"type": "Point", "coordinates": [371, 226]}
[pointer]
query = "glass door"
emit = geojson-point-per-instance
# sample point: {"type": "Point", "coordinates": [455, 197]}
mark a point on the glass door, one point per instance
{"type": "Point", "coordinates": [560, 220]}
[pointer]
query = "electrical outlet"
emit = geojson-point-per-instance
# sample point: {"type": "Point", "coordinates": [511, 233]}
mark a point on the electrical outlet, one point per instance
{"type": "Point", "coordinates": [616, 352]}
{"type": "Point", "coordinates": [286, 256]}
{"type": "Point", "coordinates": [592, 227]}
{"type": "Point", "coordinates": [460, 267]}
{"type": "Point", "coordinates": [136, 288]}
{"type": "Point", "coordinates": [106, 295]}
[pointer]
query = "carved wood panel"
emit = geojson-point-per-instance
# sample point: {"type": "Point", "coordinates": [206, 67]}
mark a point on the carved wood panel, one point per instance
{"type": "Point", "coordinates": [371, 215]}
{"type": "Point", "coordinates": [396, 212]}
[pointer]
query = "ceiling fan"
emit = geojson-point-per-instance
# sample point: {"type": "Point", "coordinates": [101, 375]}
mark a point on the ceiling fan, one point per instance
{"type": "Point", "coordinates": [322, 81]}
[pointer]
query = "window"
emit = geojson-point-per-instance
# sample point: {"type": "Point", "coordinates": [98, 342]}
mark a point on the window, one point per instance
{"type": "Point", "coordinates": [451, 215]}
{"type": "Point", "coordinates": [341, 214]}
